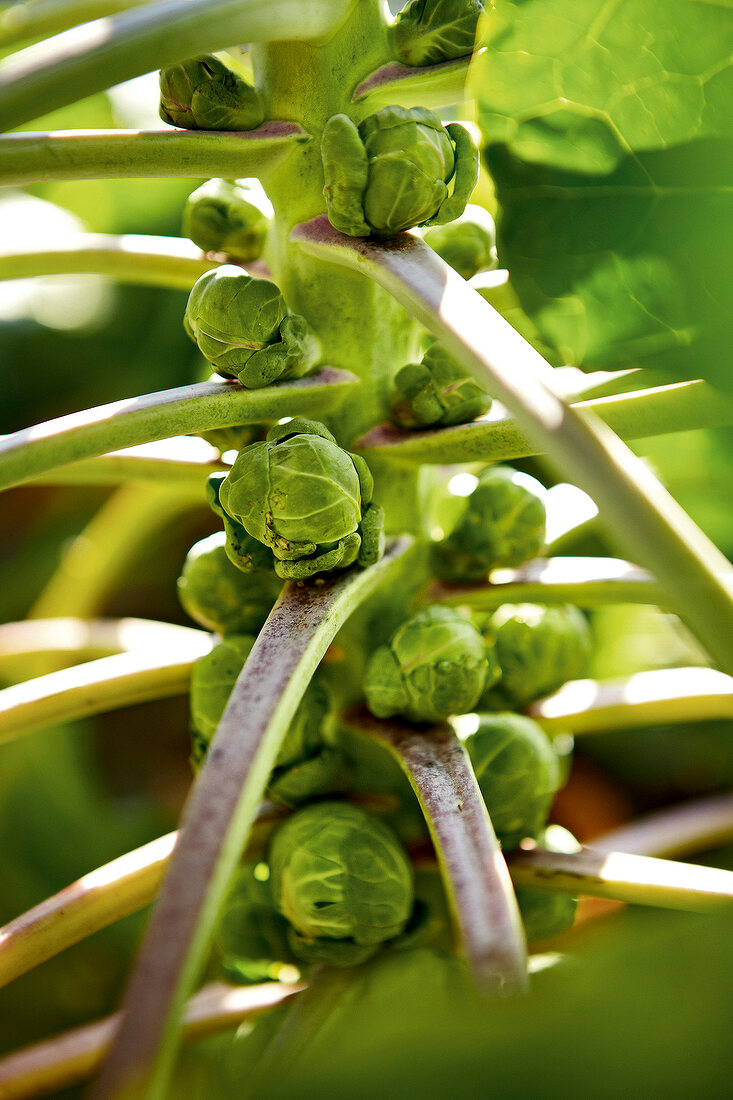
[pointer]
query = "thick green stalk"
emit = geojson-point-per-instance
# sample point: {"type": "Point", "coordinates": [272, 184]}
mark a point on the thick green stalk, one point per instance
{"type": "Point", "coordinates": [144, 154]}
{"type": "Point", "coordinates": [681, 407]}
{"type": "Point", "coordinates": [197, 408]}
{"type": "Point", "coordinates": [218, 817]}
{"type": "Point", "coordinates": [97, 55]}
{"type": "Point", "coordinates": [634, 506]}
{"type": "Point", "coordinates": [651, 698]}
{"type": "Point", "coordinates": [130, 258]}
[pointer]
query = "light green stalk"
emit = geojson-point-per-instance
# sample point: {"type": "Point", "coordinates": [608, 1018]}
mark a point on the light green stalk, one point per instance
{"type": "Point", "coordinates": [38, 18]}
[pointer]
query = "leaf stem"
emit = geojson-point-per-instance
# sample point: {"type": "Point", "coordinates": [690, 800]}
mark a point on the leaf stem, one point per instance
{"type": "Point", "coordinates": [143, 154]}
{"type": "Point", "coordinates": [475, 876]}
{"type": "Point", "coordinates": [186, 409]}
{"type": "Point", "coordinates": [129, 258]}
{"type": "Point", "coordinates": [89, 638]}
{"type": "Point", "coordinates": [431, 86]}
{"type": "Point", "coordinates": [182, 462]}
{"type": "Point", "coordinates": [674, 831]}
{"type": "Point", "coordinates": [38, 18]}
{"type": "Point", "coordinates": [218, 816]}
{"type": "Point", "coordinates": [655, 697]}
{"type": "Point", "coordinates": [645, 519]}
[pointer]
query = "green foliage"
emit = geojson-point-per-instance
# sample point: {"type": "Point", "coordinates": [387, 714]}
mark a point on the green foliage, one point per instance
{"type": "Point", "coordinates": [204, 94]}
{"type": "Point", "coordinates": [609, 162]}
{"type": "Point", "coordinates": [502, 523]}
{"type": "Point", "coordinates": [251, 937]}
{"type": "Point", "coordinates": [434, 665]}
{"type": "Point", "coordinates": [427, 32]}
{"type": "Point", "coordinates": [538, 649]}
{"type": "Point", "coordinates": [342, 880]}
{"type": "Point", "coordinates": [468, 243]}
{"type": "Point", "coordinates": [400, 168]}
{"type": "Point", "coordinates": [305, 498]}
{"type": "Point", "coordinates": [221, 597]}
{"type": "Point", "coordinates": [518, 772]}
{"type": "Point", "coordinates": [437, 391]}
{"type": "Point", "coordinates": [228, 216]}
{"type": "Point", "coordinates": [242, 325]}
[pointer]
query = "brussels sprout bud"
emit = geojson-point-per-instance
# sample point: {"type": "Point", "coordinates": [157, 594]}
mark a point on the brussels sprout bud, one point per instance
{"type": "Point", "coordinates": [242, 326]}
{"type": "Point", "coordinates": [218, 595]}
{"type": "Point", "coordinates": [305, 498]}
{"type": "Point", "coordinates": [546, 914]}
{"type": "Point", "coordinates": [434, 665]}
{"type": "Point", "coordinates": [503, 523]}
{"type": "Point", "coordinates": [538, 648]}
{"type": "Point", "coordinates": [468, 243]}
{"type": "Point", "coordinates": [304, 768]}
{"type": "Point", "coordinates": [427, 32]}
{"type": "Point", "coordinates": [228, 216]}
{"type": "Point", "coordinates": [203, 94]}
{"type": "Point", "coordinates": [400, 168]}
{"type": "Point", "coordinates": [518, 772]}
{"type": "Point", "coordinates": [251, 937]}
{"type": "Point", "coordinates": [342, 880]}
{"type": "Point", "coordinates": [243, 551]}
{"type": "Point", "coordinates": [437, 391]}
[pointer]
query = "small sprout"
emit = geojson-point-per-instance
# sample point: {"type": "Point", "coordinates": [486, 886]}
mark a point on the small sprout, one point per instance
{"type": "Point", "coordinates": [437, 391]}
{"type": "Point", "coordinates": [203, 94]}
{"type": "Point", "coordinates": [400, 168]}
{"type": "Point", "coordinates": [538, 648]}
{"type": "Point", "coordinates": [229, 216]}
{"type": "Point", "coordinates": [242, 326]}
{"type": "Point", "coordinates": [502, 524]}
{"type": "Point", "coordinates": [342, 880]}
{"type": "Point", "coordinates": [427, 32]}
{"type": "Point", "coordinates": [218, 595]}
{"type": "Point", "coordinates": [434, 665]}
{"type": "Point", "coordinates": [468, 244]}
{"type": "Point", "coordinates": [246, 553]}
{"type": "Point", "coordinates": [304, 767]}
{"type": "Point", "coordinates": [518, 772]}
{"type": "Point", "coordinates": [546, 913]}
{"type": "Point", "coordinates": [251, 936]}
{"type": "Point", "coordinates": [306, 499]}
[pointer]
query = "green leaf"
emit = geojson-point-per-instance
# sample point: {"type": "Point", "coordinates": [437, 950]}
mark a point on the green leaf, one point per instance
{"type": "Point", "coordinates": [608, 132]}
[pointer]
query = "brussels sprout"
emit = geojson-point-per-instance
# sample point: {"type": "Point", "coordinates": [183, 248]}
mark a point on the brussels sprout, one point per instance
{"type": "Point", "coordinates": [218, 595]}
{"type": "Point", "coordinates": [242, 326]}
{"type": "Point", "coordinates": [306, 499]}
{"type": "Point", "coordinates": [246, 553]}
{"type": "Point", "coordinates": [203, 94]}
{"type": "Point", "coordinates": [304, 767]}
{"type": "Point", "coordinates": [228, 216]}
{"type": "Point", "coordinates": [342, 880]}
{"type": "Point", "coordinates": [251, 936]}
{"type": "Point", "coordinates": [538, 648]}
{"type": "Point", "coordinates": [427, 32]}
{"type": "Point", "coordinates": [398, 169]}
{"type": "Point", "coordinates": [546, 914]}
{"type": "Point", "coordinates": [503, 523]}
{"type": "Point", "coordinates": [518, 772]}
{"type": "Point", "coordinates": [437, 391]}
{"type": "Point", "coordinates": [434, 665]}
{"type": "Point", "coordinates": [468, 243]}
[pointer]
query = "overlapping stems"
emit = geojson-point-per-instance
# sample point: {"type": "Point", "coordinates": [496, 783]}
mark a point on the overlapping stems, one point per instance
{"type": "Point", "coordinates": [690, 571]}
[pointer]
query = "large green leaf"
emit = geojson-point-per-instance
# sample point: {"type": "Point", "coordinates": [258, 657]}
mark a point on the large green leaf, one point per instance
{"type": "Point", "coordinates": [608, 128]}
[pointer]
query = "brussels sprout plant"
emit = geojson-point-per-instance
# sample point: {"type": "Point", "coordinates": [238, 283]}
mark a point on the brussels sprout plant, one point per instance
{"type": "Point", "coordinates": [393, 613]}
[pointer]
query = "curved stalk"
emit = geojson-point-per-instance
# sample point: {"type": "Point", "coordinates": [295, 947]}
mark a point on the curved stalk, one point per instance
{"type": "Point", "coordinates": [89, 638]}
{"type": "Point", "coordinates": [38, 18]}
{"type": "Point", "coordinates": [643, 517]}
{"type": "Point", "coordinates": [97, 686]}
{"type": "Point", "coordinates": [587, 582]}
{"type": "Point", "coordinates": [431, 86]}
{"type": "Point", "coordinates": [638, 880]}
{"type": "Point", "coordinates": [474, 872]}
{"type": "Point", "coordinates": [681, 407]}
{"type": "Point", "coordinates": [182, 462]}
{"type": "Point", "coordinates": [196, 408]}
{"type": "Point", "coordinates": [218, 816]}
{"type": "Point", "coordinates": [129, 258]}
{"type": "Point", "coordinates": [143, 154]}
{"type": "Point", "coordinates": [657, 697]}
{"type": "Point", "coordinates": [97, 55]}
{"type": "Point", "coordinates": [46, 1067]}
